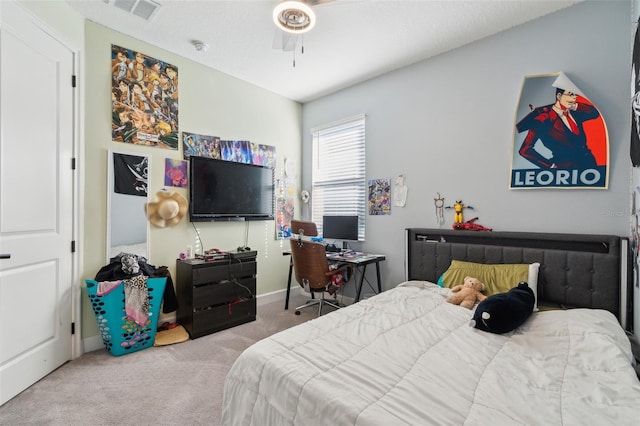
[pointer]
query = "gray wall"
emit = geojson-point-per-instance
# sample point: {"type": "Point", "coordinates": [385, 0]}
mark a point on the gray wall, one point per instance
{"type": "Point", "coordinates": [447, 124]}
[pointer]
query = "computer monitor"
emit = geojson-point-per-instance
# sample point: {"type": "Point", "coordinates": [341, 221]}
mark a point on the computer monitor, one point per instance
{"type": "Point", "coordinates": [340, 228]}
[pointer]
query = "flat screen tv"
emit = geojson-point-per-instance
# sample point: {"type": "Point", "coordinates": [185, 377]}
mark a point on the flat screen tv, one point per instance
{"type": "Point", "coordinates": [340, 228]}
{"type": "Point", "coordinates": [225, 190]}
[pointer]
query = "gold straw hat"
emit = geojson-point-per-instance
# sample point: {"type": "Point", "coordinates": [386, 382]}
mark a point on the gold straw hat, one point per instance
{"type": "Point", "coordinates": [167, 210]}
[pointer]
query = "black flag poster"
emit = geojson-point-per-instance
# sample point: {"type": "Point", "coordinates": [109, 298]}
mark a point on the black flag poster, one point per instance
{"type": "Point", "coordinates": [560, 137]}
{"type": "Point", "coordinates": [130, 174]}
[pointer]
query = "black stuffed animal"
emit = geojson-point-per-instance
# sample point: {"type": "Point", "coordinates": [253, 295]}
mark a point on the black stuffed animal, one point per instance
{"type": "Point", "coordinates": [504, 312]}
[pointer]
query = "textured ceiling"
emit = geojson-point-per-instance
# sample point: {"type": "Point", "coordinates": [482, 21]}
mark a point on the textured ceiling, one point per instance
{"type": "Point", "coordinates": [353, 40]}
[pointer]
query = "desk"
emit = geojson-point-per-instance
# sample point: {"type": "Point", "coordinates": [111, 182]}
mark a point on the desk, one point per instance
{"type": "Point", "coordinates": [357, 259]}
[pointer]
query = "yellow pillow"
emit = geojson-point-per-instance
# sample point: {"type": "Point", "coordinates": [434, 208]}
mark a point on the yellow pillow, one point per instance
{"type": "Point", "coordinates": [497, 278]}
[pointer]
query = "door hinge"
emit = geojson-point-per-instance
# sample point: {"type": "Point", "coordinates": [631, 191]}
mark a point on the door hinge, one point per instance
{"type": "Point", "coordinates": [73, 328]}
{"type": "Point", "coordinates": [73, 246]}
{"type": "Point", "coordinates": [73, 163]}
{"type": "Point", "coordinates": [73, 81]}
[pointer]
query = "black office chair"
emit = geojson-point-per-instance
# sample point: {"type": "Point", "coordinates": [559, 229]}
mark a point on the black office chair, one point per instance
{"type": "Point", "coordinates": [312, 272]}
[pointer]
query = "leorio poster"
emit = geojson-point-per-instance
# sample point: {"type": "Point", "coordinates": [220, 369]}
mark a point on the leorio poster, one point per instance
{"type": "Point", "coordinates": [560, 137]}
{"type": "Point", "coordinates": [144, 99]}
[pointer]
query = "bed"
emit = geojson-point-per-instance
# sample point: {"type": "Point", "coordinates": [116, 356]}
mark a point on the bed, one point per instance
{"type": "Point", "coordinates": [407, 357]}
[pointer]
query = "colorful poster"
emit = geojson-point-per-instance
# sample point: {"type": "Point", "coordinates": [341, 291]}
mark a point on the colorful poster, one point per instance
{"type": "Point", "coordinates": [285, 193]}
{"type": "Point", "coordinates": [560, 137]}
{"type": "Point", "coordinates": [263, 155]}
{"type": "Point", "coordinates": [175, 173]}
{"type": "Point", "coordinates": [200, 146]}
{"type": "Point", "coordinates": [130, 174]}
{"type": "Point", "coordinates": [238, 151]}
{"type": "Point", "coordinates": [144, 99]}
{"type": "Point", "coordinates": [379, 196]}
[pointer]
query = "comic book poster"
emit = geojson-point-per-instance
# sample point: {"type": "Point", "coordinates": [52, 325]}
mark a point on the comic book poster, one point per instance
{"type": "Point", "coordinates": [175, 173]}
{"type": "Point", "coordinates": [560, 137]}
{"type": "Point", "coordinates": [379, 197]}
{"type": "Point", "coordinates": [200, 146]}
{"type": "Point", "coordinates": [144, 99]}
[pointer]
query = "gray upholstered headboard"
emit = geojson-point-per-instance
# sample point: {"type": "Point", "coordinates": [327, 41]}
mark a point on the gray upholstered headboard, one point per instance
{"type": "Point", "coordinates": [582, 271]}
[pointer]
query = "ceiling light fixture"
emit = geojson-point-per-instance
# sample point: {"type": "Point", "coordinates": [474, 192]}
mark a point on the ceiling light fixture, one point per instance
{"type": "Point", "coordinates": [294, 16]}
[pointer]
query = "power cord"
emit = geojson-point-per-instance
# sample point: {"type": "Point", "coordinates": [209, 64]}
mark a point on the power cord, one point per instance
{"type": "Point", "coordinates": [239, 284]}
{"type": "Point", "coordinates": [199, 239]}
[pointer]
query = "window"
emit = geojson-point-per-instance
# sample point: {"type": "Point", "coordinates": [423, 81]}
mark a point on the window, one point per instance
{"type": "Point", "coordinates": [338, 175]}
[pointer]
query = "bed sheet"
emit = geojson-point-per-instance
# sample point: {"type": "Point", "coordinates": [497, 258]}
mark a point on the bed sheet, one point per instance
{"type": "Point", "coordinates": [406, 357]}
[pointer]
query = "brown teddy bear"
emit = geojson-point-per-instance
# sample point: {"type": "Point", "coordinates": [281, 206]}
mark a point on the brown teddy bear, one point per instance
{"type": "Point", "coordinates": [468, 293]}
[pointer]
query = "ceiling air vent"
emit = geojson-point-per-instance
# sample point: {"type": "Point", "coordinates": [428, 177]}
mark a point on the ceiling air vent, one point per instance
{"type": "Point", "coordinates": [141, 8]}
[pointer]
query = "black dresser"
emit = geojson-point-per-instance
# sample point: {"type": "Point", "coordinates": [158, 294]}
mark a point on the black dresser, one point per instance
{"type": "Point", "coordinates": [215, 295]}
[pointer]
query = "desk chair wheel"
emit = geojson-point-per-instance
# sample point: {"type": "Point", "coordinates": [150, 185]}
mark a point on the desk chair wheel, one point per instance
{"type": "Point", "coordinates": [297, 312]}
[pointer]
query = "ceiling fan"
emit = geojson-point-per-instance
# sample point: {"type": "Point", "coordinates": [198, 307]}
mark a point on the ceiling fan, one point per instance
{"type": "Point", "coordinates": [293, 18]}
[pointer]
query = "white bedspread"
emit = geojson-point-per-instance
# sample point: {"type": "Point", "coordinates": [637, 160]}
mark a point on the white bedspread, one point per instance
{"type": "Point", "coordinates": [406, 357]}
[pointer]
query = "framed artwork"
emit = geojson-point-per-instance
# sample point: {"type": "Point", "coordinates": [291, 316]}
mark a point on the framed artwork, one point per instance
{"type": "Point", "coordinates": [144, 99]}
{"type": "Point", "coordinates": [560, 137]}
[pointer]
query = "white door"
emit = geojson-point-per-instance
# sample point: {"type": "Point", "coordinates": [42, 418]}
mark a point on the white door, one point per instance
{"type": "Point", "coordinates": [36, 201]}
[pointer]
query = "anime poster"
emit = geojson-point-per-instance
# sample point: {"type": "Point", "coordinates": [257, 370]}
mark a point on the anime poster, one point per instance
{"type": "Point", "coordinates": [560, 137]}
{"type": "Point", "coordinates": [285, 192]}
{"type": "Point", "coordinates": [379, 197]}
{"type": "Point", "coordinates": [635, 100]}
{"type": "Point", "coordinates": [200, 146]}
{"type": "Point", "coordinates": [175, 173]}
{"type": "Point", "coordinates": [130, 174]}
{"type": "Point", "coordinates": [263, 155]}
{"type": "Point", "coordinates": [144, 99]}
{"type": "Point", "coordinates": [238, 151]}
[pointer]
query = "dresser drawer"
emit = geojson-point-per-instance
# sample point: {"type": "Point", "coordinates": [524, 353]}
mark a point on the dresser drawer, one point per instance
{"type": "Point", "coordinates": [215, 295]}
{"type": "Point", "coordinates": [223, 272]}
{"type": "Point", "coordinates": [222, 317]}
{"type": "Point", "coordinates": [219, 293]}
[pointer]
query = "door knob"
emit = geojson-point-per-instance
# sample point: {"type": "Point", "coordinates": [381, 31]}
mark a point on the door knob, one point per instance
{"type": "Point", "coordinates": [4, 256]}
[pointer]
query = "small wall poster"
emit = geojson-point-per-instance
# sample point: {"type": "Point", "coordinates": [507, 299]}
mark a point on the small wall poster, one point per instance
{"type": "Point", "coordinates": [144, 99]}
{"type": "Point", "coordinates": [379, 197]}
{"type": "Point", "coordinates": [560, 137]}
{"type": "Point", "coordinates": [175, 173]}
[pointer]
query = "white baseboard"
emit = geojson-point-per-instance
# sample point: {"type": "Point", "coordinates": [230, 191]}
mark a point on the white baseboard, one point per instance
{"type": "Point", "coordinates": [274, 296]}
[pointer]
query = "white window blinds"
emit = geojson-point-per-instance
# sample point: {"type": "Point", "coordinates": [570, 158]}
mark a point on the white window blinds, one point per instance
{"type": "Point", "coordinates": [338, 174]}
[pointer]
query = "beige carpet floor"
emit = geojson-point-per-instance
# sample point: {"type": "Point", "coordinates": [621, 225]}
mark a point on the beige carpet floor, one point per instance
{"type": "Point", "coordinates": [179, 384]}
